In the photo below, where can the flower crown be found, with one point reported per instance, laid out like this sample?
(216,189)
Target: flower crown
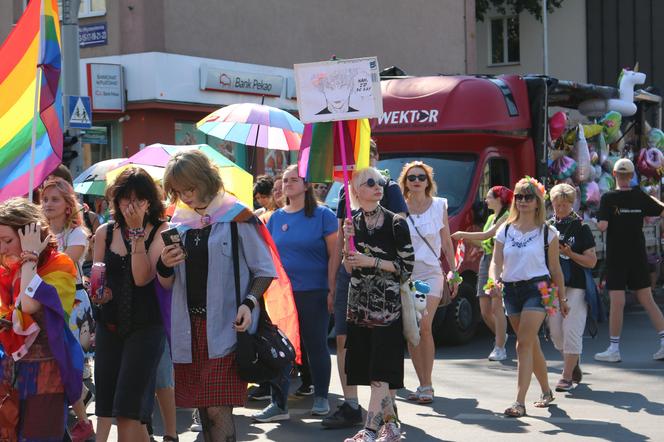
(532,182)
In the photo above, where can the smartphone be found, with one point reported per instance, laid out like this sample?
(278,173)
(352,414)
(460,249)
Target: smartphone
(171,236)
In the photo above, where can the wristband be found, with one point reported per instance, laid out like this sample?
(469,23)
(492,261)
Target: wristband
(29,256)
(163,270)
(250,301)
(138,232)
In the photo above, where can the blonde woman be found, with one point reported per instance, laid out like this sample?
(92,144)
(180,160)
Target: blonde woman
(430,235)
(374,342)
(59,205)
(577,258)
(525,261)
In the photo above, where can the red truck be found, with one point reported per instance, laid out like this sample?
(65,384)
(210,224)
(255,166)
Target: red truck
(476,132)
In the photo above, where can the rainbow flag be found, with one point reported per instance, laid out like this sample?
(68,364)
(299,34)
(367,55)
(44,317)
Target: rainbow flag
(319,159)
(34,42)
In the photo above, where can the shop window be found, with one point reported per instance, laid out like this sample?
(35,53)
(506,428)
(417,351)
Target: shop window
(96,144)
(504,47)
(187,134)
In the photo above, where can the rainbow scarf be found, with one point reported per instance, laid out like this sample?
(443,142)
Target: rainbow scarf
(279,302)
(56,295)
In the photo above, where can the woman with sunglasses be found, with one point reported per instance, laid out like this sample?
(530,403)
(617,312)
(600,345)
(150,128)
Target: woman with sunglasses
(430,234)
(525,261)
(305,233)
(382,258)
(498,200)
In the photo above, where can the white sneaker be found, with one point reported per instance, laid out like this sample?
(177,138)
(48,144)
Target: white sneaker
(608,356)
(498,354)
(659,356)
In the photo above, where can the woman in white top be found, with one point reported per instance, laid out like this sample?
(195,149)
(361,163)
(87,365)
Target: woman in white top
(429,234)
(60,208)
(525,260)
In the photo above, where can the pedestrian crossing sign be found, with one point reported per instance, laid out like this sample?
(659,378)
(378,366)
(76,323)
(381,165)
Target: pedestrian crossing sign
(80,115)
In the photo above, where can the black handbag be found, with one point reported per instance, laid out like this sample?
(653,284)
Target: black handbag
(262,356)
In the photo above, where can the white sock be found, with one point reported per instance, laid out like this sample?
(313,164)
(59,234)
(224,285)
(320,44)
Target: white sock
(661,338)
(614,344)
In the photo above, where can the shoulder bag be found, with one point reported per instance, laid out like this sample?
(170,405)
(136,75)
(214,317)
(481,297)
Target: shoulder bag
(446,296)
(264,355)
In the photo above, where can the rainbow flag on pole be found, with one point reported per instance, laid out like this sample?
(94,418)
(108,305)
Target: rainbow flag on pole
(30,83)
(319,159)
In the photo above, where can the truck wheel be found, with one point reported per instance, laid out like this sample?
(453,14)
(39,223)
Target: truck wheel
(457,323)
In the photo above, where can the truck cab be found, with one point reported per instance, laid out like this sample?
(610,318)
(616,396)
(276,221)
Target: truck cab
(476,132)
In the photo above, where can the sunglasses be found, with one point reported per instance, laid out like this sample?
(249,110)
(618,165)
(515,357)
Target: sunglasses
(528,198)
(421,177)
(371,182)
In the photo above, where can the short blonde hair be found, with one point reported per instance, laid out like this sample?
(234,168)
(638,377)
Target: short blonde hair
(359,177)
(563,190)
(529,186)
(192,169)
(431,189)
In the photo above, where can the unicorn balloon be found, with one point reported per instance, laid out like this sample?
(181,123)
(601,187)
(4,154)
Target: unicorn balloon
(627,80)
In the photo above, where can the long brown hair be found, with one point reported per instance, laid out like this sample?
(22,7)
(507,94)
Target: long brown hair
(20,212)
(310,201)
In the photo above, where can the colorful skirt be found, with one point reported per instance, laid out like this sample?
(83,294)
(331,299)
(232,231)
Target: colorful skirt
(207,382)
(43,406)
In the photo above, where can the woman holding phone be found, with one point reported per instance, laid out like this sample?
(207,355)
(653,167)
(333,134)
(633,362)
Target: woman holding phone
(130,335)
(199,268)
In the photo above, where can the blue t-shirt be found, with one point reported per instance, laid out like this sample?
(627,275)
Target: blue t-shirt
(301,244)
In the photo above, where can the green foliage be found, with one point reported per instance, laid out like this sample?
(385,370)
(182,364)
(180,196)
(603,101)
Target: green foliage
(514,7)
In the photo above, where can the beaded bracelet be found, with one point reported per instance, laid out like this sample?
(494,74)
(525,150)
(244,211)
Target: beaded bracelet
(138,232)
(29,256)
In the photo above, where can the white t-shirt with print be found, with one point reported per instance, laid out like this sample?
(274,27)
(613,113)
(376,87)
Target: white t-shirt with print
(74,237)
(523,252)
(429,224)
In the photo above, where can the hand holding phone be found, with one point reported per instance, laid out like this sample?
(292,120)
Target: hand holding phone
(169,256)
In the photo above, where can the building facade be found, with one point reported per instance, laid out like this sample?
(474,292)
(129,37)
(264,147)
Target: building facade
(153,68)
(513,44)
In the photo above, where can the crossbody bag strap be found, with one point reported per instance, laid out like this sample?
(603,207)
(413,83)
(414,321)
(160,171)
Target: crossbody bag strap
(546,244)
(236,262)
(421,236)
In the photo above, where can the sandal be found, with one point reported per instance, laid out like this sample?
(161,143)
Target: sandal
(545,400)
(415,395)
(564,385)
(516,410)
(426,395)
(168,438)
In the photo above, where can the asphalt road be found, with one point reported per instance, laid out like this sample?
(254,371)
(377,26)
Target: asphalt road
(615,402)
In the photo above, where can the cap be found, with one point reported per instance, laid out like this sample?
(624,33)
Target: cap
(623,165)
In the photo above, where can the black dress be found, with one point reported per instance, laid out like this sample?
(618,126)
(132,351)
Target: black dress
(130,340)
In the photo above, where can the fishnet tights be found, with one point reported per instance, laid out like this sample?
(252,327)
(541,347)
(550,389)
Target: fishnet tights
(218,425)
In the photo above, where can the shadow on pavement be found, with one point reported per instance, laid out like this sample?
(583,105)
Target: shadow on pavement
(623,400)
(609,430)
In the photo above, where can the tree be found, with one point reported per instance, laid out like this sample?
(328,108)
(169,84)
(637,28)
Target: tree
(514,7)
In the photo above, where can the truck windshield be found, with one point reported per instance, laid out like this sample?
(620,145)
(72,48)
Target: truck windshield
(453,174)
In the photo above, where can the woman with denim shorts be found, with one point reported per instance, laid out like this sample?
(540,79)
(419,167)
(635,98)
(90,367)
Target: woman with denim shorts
(522,270)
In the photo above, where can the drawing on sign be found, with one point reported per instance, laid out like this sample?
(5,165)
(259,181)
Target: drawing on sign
(338,90)
(80,114)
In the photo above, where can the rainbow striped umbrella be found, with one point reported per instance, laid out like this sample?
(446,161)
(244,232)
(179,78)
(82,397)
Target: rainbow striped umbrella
(254,125)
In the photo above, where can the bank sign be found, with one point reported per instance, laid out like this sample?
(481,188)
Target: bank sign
(217,79)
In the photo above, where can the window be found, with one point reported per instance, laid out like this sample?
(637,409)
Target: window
(453,173)
(504,40)
(87,8)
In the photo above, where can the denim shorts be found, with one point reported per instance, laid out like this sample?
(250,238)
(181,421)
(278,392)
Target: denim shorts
(522,296)
(165,369)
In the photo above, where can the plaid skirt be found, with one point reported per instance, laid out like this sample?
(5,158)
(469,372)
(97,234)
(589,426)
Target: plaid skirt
(207,382)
